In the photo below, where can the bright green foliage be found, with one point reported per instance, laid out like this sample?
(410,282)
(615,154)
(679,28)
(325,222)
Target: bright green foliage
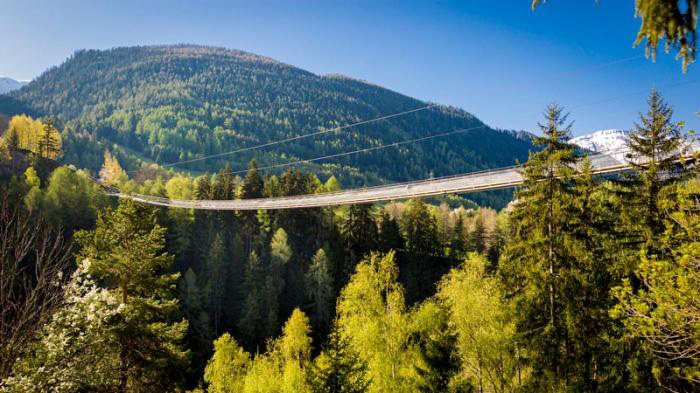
(179,187)
(372,315)
(319,288)
(338,368)
(38,136)
(283,367)
(280,251)
(33,200)
(125,250)
(226,370)
(265,374)
(32,178)
(435,342)
(70,198)
(295,348)
(536,259)
(49,143)
(111,172)
(665,312)
(485,333)
(332,185)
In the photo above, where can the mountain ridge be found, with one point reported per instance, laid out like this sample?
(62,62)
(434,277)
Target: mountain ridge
(8,84)
(173,103)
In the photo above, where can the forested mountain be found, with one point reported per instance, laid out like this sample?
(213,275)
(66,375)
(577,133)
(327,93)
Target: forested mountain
(173,103)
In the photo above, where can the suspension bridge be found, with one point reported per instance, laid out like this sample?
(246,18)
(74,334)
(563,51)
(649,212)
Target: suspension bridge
(601,163)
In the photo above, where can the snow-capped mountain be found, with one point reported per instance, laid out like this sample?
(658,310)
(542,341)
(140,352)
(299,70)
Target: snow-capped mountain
(9,84)
(602,141)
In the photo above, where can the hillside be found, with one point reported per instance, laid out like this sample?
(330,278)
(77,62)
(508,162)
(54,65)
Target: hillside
(172,103)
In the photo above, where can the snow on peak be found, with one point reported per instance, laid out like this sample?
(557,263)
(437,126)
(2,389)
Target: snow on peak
(8,84)
(602,141)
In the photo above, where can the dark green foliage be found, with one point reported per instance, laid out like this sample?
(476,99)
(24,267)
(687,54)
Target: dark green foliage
(126,251)
(477,238)
(253,312)
(536,261)
(389,234)
(419,229)
(359,233)
(339,369)
(172,103)
(655,151)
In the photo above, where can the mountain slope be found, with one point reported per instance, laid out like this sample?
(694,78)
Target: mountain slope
(173,103)
(8,84)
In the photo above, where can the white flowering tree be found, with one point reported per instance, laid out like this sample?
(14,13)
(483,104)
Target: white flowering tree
(75,351)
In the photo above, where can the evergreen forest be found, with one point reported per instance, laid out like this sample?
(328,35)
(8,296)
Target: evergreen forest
(581,284)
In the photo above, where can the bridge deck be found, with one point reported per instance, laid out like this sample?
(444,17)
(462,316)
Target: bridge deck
(467,183)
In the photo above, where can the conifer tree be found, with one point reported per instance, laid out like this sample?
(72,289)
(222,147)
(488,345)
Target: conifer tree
(478,234)
(359,232)
(251,188)
(656,150)
(419,229)
(458,243)
(338,368)
(217,275)
(662,310)
(389,234)
(199,334)
(253,304)
(125,250)
(49,143)
(535,259)
(319,288)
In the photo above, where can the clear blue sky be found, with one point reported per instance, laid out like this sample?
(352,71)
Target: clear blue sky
(496,59)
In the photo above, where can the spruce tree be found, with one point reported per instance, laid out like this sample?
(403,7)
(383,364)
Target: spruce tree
(419,228)
(535,259)
(319,289)
(253,304)
(251,188)
(458,243)
(656,152)
(359,232)
(389,234)
(217,276)
(478,234)
(126,251)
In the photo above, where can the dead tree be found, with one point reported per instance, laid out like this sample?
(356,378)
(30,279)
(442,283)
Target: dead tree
(33,263)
